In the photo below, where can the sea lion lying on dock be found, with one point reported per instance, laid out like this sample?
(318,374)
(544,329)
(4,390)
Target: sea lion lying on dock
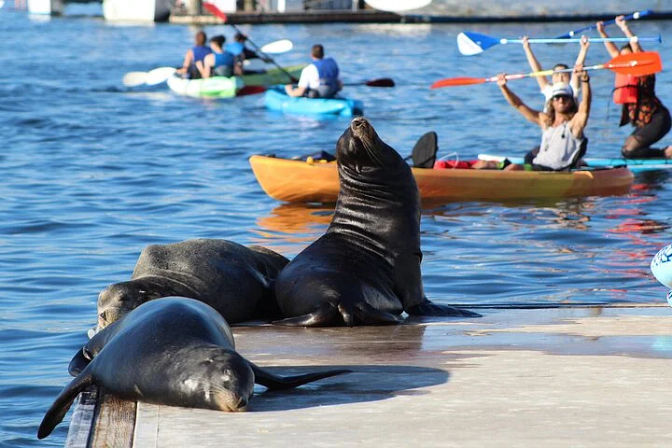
(234,279)
(366,268)
(172,351)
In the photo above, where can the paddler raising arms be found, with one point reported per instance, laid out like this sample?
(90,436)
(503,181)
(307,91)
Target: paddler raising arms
(545,86)
(563,143)
(641,106)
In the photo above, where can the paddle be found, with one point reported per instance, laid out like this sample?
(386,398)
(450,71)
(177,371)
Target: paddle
(221,15)
(469,43)
(278,47)
(634,16)
(636,64)
(380,82)
(152,77)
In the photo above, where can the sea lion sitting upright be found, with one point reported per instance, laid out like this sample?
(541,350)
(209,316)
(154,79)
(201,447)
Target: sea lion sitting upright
(366,268)
(235,280)
(173,351)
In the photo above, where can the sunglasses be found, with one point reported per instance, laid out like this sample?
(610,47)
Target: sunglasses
(561,97)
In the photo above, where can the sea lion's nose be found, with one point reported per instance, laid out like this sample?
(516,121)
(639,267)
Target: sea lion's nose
(242,402)
(358,123)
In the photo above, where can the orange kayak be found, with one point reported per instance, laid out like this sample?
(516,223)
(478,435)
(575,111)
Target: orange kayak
(299,181)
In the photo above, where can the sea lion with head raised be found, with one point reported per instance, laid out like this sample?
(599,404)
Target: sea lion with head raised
(173,351)
(235,280)
(366,268)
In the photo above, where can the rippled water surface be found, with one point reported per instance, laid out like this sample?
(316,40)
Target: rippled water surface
(92,172)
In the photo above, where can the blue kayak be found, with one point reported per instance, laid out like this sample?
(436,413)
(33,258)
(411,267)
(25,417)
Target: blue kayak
(632,164)
(276,99)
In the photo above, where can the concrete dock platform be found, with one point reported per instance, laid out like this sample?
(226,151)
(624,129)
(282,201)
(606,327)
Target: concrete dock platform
(556,377)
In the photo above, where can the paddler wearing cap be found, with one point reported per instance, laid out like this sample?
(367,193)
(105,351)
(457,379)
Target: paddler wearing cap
(563,143)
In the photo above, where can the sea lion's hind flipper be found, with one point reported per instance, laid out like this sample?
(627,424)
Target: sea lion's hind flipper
(275,382)
(324,316)
(62,403)
(428,308)
(368,315)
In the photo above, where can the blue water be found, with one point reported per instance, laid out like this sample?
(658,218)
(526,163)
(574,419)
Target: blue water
(91,172)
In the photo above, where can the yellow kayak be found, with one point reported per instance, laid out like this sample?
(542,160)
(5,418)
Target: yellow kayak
(299,181)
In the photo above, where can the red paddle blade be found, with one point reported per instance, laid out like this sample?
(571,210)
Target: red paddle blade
(463,81)
(380,82)
(215,10)
(636,64)
(250,90)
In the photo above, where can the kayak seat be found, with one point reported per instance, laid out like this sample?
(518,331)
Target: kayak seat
(424,151)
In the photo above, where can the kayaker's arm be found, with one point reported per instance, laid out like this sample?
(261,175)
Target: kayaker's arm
(294,91)
(527,112)
(611,47)
(580,119)
(188,58)
(580,60)
(634,44)
(204,66)
(534,63)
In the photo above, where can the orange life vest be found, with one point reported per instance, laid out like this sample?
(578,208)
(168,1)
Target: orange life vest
(625,89)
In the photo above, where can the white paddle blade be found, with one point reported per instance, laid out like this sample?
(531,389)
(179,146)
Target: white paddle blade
(277,47)
(132,79)
(467,46)
(159,75)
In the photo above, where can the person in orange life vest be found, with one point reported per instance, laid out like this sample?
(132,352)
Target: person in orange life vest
(641,106)
(545,86)
(195,54)
(319,79)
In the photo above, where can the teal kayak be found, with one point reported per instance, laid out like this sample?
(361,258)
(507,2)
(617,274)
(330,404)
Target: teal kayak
(632,164)
(276,99)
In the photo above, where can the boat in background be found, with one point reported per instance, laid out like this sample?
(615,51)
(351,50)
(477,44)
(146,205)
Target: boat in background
(277,99)
(300,181)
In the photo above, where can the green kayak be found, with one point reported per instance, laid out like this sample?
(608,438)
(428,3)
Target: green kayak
(228,87)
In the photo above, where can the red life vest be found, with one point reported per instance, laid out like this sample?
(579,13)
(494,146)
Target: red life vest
(625,89)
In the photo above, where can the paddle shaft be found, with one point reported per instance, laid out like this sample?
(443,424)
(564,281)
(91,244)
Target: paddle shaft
(634,16)
(552,40)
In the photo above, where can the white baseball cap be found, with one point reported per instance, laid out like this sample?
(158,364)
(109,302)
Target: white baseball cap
(561,88)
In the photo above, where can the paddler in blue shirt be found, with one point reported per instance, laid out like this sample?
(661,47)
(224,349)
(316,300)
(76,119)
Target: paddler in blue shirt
(219,62)
(238,49)
(563,143)
(195,54)
(319,79)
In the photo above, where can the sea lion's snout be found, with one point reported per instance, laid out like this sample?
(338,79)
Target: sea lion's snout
(360,126)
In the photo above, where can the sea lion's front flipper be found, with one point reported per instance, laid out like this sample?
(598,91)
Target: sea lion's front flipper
(78,363)
(428,308)
(324,316)
(275,382)
(62,403)
(84,356)
(368,315)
